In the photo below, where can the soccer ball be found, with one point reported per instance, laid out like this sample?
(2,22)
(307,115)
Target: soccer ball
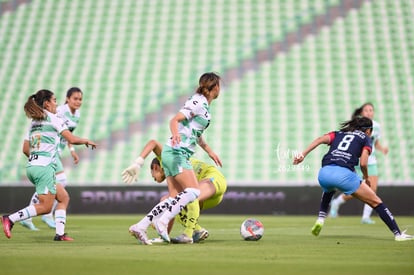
(251,230)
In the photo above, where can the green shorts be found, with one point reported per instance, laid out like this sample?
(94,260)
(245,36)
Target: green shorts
(220,184)
(43,178)
(175,160)
(372,170)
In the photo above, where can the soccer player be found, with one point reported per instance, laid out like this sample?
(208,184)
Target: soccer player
(212,185)
(187,127)
(366,110)
(70,113)
(352,143)
(41,148)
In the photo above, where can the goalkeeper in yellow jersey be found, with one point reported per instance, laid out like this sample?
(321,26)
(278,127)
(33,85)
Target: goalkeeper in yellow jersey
(212,185)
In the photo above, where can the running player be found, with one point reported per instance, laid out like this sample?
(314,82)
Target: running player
(187,127)
(41,148)
(212,185)
(366,110)
(70,113)
(347,146)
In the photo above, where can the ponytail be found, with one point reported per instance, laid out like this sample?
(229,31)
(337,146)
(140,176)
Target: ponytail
(207,82)
(357,123)
(34,105)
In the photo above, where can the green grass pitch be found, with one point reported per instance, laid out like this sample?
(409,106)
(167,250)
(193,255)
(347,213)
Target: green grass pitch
(103,246)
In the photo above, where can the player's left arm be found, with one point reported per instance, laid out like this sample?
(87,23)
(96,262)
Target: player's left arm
(203,144)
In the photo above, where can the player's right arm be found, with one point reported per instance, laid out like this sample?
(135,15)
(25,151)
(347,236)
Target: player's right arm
(26,148)
(325,139)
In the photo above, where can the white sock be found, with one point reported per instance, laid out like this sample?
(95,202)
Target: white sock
(33,200)
(367,212)
(154,214)
(179,202)
(60,220)
(339,200)
(23,214)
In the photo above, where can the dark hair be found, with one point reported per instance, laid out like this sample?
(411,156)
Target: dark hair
(357,123)
(207,82)
(34,108)
(155,161)
(358,111)
(70,92)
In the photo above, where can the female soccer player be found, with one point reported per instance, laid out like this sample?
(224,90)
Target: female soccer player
(186,127)
(212,185)
(366,110)
(349,145)
(69,112)
(41,148)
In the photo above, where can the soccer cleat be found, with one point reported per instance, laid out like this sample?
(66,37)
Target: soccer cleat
(316,229)
(29,225)
(157,240)
(49,221)
(333,212)
(200,235)
(182,239)
(403,237)
(7,225)
(139,234)
(367,221)
(162,230)
(63,237)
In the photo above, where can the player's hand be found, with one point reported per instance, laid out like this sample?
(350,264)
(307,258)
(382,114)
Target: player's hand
(298,158)
(91,143)
(130,174)
(75,157)
(216,159)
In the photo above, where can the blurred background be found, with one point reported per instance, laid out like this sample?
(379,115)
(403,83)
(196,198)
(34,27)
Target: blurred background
(292,70)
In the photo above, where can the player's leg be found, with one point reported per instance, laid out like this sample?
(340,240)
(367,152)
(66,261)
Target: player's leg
(337,203)
(139,230)
(28,223)
(187,180)
(207,191)
(323,212)
(365,194)
(43,177)
(63,199)
(373,179)
(217,186)
(331,178)
(190,216)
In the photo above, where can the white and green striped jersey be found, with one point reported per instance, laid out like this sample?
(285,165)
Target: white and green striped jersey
(71,121)
(376,135)
(43,137)
(197,113)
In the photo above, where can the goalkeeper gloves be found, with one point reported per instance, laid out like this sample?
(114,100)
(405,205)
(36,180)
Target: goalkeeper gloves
(130,174)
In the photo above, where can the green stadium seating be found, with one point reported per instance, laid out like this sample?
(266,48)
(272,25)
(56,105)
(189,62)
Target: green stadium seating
(135,58)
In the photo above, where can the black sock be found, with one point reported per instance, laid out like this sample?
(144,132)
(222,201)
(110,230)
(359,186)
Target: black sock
(325,202)
(387,218)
